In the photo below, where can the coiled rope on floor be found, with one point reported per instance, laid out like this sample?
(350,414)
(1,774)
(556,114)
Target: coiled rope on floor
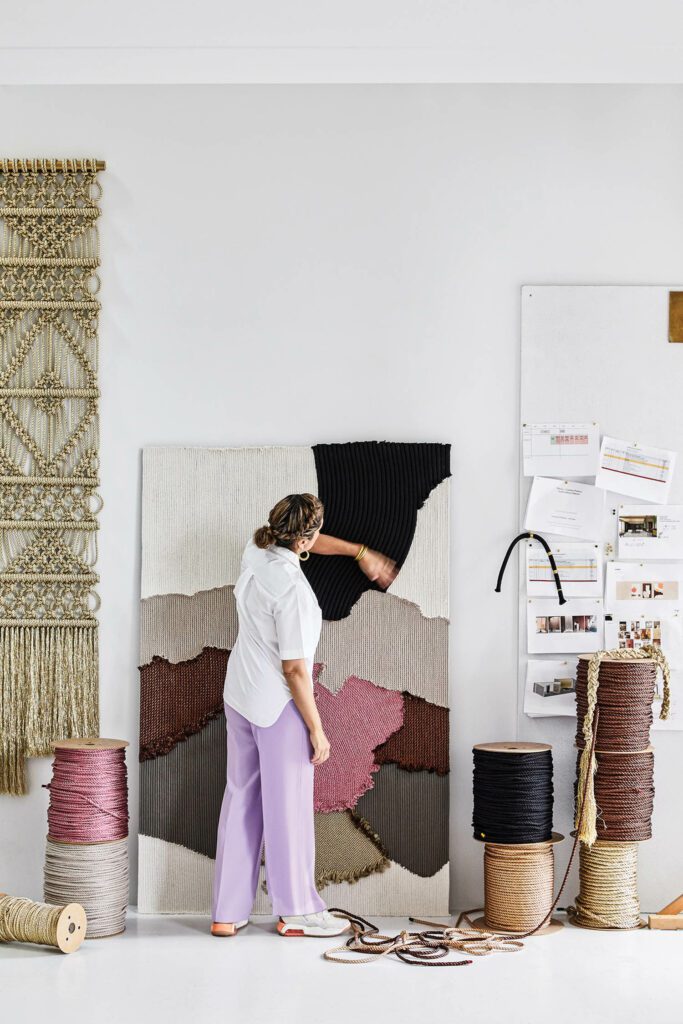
(624,794)
(512,796)
(628,721)
(429,948)
(608,887)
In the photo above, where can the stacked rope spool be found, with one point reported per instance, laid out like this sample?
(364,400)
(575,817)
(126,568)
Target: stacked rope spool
(614,696)
(512,816)
(86,858)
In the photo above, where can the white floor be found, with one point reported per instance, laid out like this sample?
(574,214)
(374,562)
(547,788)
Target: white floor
(169,969)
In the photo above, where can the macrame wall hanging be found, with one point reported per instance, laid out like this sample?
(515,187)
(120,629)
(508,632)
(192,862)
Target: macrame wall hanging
(381,677)
(49,437)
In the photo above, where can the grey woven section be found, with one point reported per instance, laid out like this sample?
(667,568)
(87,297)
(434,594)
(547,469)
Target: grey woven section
(181,793)
(178,628)
(409,813)
(388,641)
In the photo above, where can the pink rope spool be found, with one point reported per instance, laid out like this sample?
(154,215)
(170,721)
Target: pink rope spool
(88,792)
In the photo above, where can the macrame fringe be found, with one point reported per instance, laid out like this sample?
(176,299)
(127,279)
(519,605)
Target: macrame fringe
(49,691)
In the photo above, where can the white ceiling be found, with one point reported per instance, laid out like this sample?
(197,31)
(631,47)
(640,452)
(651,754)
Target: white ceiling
(213,41)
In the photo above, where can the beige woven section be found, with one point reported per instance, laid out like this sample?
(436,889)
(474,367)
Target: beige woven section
(388,641)
(345,851)
(174,880)
(178,628)
(424,576)
(201,505)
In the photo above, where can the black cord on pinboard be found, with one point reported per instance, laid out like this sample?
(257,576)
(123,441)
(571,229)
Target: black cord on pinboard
(553,565)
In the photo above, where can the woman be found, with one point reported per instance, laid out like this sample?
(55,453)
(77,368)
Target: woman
(275,736)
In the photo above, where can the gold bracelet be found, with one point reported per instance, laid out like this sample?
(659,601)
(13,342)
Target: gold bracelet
(362,553)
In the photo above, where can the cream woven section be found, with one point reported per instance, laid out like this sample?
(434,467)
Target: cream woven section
(424,576)
(201,506)
(175,880)
(49,439)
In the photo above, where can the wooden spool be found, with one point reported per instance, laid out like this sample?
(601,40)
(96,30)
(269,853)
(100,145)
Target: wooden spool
(90,743)
(553,925)
(71,927)
(519,747)
(513,747)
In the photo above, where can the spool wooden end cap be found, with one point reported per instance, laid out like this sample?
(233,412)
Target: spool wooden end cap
(90,743)
(513,747)
(71,927)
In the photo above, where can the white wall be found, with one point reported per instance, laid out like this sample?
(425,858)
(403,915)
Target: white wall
(301,264)
(223,41)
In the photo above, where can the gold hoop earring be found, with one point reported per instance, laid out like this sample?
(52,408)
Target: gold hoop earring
(304,556)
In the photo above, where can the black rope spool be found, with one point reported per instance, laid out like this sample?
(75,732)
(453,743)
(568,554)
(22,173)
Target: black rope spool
(513,793)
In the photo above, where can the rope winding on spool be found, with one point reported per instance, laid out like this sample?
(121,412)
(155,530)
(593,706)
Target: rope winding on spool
(621,718)
(86,856)
(22,920)
(608,887)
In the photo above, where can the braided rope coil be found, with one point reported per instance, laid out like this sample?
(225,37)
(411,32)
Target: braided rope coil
(587,828)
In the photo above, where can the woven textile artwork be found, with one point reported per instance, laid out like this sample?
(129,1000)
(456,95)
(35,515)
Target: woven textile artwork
(49,440)
(381,667)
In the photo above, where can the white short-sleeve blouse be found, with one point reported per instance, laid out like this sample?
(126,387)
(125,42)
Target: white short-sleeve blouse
(279,619)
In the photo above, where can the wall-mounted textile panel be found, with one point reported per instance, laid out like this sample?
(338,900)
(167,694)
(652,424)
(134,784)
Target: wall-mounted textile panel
(49,457)
(381,674)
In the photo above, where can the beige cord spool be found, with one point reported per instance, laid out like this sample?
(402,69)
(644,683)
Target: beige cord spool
(519,881)
(608,888)
(22,920)
(96,872)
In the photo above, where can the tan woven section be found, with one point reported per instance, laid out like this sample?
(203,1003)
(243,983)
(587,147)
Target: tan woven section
(345,850)
(177,701)
(178,628)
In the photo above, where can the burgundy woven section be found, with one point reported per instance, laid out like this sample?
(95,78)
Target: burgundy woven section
(356,719)
(422,741)
(177,700)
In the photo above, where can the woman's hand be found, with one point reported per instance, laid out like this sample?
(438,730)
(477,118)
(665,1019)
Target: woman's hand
(321,746)
(378,568)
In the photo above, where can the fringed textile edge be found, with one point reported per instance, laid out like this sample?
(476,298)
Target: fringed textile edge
(49,690)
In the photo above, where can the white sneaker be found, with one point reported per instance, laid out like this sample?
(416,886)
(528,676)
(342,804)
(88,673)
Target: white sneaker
(321,924)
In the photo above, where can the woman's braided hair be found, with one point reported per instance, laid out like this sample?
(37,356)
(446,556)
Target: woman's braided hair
(295,517)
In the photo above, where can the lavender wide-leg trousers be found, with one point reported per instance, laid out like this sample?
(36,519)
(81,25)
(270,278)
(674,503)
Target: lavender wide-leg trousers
(268,797)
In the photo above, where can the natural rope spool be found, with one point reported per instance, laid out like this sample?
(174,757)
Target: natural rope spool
(624,794)
(627,709)
(513,792)
(22,920)
(518,885)
(608,887)
(95,873)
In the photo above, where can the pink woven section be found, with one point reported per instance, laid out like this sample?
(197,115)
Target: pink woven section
(356,719)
